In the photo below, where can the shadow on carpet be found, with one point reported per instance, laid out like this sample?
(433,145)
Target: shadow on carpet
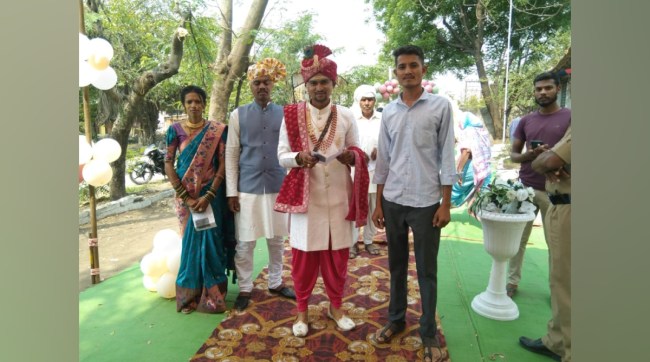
(263,330)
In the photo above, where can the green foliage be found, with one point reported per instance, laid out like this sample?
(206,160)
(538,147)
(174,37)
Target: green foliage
(362,74)
(472,104)
(447,29)
(458,36)
(520,97)
(141,35)
(101,193)
(286,44)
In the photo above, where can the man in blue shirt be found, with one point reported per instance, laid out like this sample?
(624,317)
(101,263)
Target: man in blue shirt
(414,176)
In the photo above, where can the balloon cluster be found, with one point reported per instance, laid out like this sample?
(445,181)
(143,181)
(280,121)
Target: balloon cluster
(391,87)
(94,161)
(160,267)
(94,57)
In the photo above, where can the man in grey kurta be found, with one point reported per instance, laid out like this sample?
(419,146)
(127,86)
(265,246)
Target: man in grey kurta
(253,179)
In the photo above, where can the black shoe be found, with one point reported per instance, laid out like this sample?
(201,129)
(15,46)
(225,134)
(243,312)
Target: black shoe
(536,345)
(284,292)
(242,302)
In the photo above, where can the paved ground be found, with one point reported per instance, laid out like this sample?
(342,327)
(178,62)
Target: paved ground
(125,238)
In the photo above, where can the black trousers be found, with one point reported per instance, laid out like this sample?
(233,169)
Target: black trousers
(426,242)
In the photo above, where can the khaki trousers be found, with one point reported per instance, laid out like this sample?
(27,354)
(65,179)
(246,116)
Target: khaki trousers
(558,226)
(514,265)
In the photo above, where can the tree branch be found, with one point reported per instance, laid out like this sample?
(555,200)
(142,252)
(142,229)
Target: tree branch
(166,70)
(460,44)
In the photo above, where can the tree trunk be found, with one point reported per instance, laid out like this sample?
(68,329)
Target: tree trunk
(489,96)
(232,63)
(492,104)
(149,123)
(135,105)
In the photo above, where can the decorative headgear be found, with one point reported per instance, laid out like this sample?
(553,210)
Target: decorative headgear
(267,67)
(362,91)
(315,62)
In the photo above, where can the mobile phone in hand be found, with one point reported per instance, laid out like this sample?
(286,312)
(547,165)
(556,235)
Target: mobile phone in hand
(536,143)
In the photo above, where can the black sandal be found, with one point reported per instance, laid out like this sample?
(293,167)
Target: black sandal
(382,336)
(428,352)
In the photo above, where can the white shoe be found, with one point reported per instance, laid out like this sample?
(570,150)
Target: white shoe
(344,323)
(300,329)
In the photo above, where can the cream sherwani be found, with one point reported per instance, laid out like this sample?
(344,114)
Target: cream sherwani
(330,186)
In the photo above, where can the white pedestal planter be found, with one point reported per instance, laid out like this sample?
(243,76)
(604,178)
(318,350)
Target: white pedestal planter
(501,237)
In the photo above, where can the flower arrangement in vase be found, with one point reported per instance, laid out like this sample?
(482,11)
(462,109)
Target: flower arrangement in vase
(506,197)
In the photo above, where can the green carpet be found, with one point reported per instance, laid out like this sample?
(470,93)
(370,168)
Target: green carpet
(120,321)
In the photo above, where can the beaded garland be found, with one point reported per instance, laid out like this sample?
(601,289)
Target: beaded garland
(331,132)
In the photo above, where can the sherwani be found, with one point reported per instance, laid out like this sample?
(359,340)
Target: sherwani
(330,186)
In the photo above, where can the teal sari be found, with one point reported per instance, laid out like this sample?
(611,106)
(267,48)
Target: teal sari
(207,256)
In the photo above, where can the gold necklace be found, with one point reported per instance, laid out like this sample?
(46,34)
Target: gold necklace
(324,144)
(194,126)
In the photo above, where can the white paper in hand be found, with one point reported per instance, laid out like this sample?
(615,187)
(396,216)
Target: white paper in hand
(204,220)
(326,159)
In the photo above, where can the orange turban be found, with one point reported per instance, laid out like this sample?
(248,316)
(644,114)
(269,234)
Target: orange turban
(267,67)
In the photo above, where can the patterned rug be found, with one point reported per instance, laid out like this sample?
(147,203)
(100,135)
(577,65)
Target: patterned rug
(263,331)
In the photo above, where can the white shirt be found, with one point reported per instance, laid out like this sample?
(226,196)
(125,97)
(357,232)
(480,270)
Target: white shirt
(368,139)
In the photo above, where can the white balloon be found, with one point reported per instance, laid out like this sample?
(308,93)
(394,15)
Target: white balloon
(84,47)
(85,150)
(101,48)
(153,265)
(165,241)
(106,79)
(97,172)
(107,149)
(86,73)
(166,285)
(145,263)
(174,261)
(149,283)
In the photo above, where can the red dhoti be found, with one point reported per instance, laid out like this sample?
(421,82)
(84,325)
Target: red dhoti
(305,267)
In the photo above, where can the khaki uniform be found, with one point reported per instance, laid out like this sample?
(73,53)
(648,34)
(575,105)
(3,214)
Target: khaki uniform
(558,236)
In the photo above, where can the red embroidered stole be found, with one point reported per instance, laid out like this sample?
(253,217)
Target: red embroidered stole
(294,192)
(358,203)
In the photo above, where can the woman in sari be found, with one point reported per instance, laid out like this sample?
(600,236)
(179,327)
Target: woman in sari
(473,164)
(198,179)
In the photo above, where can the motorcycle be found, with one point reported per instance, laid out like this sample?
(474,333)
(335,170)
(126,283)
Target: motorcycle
(143,170)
